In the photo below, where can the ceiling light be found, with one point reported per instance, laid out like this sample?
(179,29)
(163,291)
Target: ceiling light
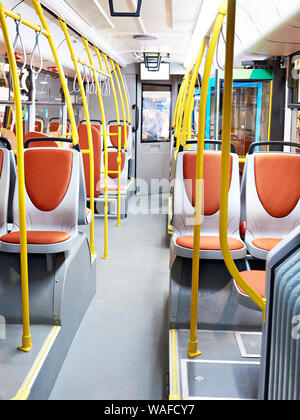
(145,37)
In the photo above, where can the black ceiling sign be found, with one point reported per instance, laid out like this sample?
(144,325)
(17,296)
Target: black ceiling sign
(125,14)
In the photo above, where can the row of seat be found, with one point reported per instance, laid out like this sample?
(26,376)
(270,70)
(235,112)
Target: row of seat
(55,199)
(98,156)
(267,208)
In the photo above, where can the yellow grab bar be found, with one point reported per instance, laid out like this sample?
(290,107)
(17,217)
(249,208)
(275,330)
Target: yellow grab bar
(200,55)
(227,118)
(103,117)
(114,68)
(26,339)
(119,135)
(46,31)
(120,139)
(193,342)
(125,93)
(181,108)
(89,133)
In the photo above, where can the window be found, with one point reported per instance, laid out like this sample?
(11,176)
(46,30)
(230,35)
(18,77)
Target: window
(49,104)
(250,114)
(298,128)
(294,80)
(156,112)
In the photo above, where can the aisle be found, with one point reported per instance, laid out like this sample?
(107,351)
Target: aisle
(121,349)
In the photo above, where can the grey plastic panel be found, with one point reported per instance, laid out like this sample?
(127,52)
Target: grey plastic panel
(218,307)
(280,376)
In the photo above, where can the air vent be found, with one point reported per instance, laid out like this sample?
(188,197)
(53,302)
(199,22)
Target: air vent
(145,37)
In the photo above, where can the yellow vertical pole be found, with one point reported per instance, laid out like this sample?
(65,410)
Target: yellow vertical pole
(225,175)
(103,118)
(40,13)
(115,67)
(189,131)
(26,339)
(181,109)
(9,117)
(191,91)
(113,90)
(193,342)
(270,112)
(178,101)
(89,133)
(119,142)
(126,101)
(115,102)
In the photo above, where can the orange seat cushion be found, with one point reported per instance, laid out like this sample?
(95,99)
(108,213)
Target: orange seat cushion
(37,237)
(255,279)
(267,244)
(209,243)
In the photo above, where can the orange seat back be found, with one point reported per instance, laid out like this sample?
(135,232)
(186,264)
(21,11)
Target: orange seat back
(278,183)
(113,163)
(36,134)
(211,178)
(113,129)
(38,126)
(84,145)
(47,176)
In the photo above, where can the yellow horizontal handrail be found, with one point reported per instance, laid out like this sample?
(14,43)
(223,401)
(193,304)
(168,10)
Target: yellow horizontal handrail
(92,67)
(25,22)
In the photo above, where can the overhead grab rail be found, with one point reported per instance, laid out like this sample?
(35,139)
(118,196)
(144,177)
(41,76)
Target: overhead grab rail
(116,103)
(187,121)
(43,30)
(114,70)
(104,128)
(181,106)
(125,94)
(90,151)
(193,342)
(19,37)
(225,177)
(36,47)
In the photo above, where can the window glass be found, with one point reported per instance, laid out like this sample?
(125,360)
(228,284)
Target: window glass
(298,130)
(156,112)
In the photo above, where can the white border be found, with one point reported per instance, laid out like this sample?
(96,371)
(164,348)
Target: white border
(184,376)
(244,354)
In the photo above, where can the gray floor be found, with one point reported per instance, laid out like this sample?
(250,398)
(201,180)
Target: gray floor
(14,364)
(121,349)
(220,372)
